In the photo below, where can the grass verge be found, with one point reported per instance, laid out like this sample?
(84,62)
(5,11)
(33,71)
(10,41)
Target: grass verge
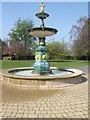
(29,63)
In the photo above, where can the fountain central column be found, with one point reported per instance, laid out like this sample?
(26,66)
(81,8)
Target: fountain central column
(41,64)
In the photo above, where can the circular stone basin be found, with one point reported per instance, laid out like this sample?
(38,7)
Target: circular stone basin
(23,77)
(42,32)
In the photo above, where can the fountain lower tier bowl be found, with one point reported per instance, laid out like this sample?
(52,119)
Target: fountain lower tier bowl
(42,32)
(23,77)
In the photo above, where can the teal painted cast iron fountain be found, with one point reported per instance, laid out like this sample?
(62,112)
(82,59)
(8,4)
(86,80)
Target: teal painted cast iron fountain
(41,64)
(41,76)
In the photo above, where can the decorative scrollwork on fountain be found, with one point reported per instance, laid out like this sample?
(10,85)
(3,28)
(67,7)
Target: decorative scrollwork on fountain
(37,57)
(44,56)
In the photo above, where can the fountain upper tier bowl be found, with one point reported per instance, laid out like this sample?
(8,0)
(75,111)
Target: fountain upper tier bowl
(42,31)
(42,15)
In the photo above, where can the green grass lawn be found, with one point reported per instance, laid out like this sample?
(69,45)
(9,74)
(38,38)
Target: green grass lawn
(29,63)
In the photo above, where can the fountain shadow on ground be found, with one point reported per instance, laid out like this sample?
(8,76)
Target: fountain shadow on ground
(84,78)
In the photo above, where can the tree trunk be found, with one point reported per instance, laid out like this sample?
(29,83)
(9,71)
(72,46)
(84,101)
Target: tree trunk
(86,57)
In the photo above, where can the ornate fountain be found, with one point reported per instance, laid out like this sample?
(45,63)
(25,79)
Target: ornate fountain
(41,64)
(41,75)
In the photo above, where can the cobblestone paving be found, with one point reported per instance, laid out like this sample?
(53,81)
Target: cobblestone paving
(68,102)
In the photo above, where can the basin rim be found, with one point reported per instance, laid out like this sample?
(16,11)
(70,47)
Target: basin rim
(74,73)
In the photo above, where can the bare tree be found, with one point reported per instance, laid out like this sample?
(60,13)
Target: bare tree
(79,37)
(19,49)
(5,48)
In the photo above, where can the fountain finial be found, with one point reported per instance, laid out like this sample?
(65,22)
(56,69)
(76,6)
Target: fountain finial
(42,7)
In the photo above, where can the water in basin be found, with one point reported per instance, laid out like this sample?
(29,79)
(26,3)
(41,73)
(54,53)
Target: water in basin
(29,73)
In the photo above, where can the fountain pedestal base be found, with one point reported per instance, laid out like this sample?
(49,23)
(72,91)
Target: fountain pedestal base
(42,73)
(41,64)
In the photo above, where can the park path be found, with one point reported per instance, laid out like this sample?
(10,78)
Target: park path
(68,102)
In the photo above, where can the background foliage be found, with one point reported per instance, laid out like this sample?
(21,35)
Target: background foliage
(23,45)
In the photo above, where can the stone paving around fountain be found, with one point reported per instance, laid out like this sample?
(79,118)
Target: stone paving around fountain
(68,102)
